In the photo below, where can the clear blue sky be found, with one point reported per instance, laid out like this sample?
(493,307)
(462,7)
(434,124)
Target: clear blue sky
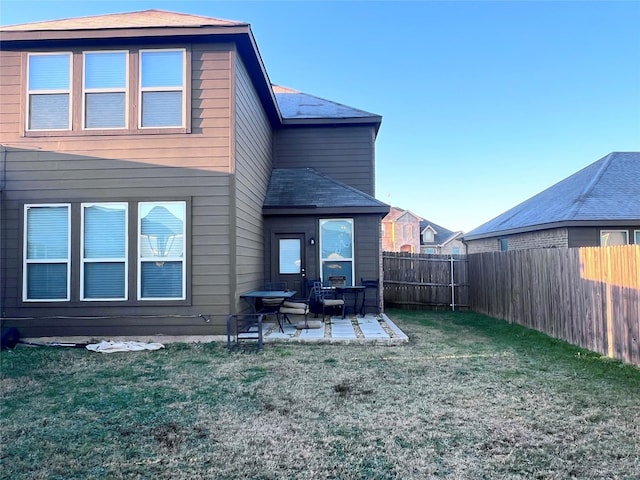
(484,104)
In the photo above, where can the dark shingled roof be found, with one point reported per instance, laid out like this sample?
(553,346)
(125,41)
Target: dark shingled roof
(606,190)
(441,235)
(300,190)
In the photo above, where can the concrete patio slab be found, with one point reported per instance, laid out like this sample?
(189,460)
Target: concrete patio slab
(370,329)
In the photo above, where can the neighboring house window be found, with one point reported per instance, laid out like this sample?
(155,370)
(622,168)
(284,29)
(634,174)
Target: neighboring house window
(49,91)
(336,249)
(609,238)
(430,250)
(162,88)
(428,236)
(503,244)
(161,250)
(637,235)
(455,251)
(105,89)
(47,252)
(104,251)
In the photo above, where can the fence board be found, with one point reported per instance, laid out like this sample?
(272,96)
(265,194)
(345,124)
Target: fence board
(416,281)
(587,296)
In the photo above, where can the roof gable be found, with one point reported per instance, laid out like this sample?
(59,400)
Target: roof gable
(441,234)
(608,189)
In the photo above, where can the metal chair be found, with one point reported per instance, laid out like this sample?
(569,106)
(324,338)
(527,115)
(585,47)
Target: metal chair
(329,298)
(297,306)
(271,306)
(372,287)
(244,330)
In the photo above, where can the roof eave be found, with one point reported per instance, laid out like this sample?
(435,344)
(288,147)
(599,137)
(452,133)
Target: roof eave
(552,225)
(127,33)
(315,210)
(374,121)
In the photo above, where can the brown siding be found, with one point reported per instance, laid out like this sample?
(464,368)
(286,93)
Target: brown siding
(193,167)
(344,153)
(10,95)
(253,142)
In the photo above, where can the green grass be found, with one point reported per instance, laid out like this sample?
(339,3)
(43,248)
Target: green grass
(469,397)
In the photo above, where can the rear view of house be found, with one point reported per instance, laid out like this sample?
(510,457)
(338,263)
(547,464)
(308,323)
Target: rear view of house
(151,173)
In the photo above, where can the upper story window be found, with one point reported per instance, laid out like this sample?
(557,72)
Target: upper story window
(49,91)
(108,92)
(162,81)
(105,89)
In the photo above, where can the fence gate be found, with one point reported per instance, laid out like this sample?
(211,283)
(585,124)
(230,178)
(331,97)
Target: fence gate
(418,281)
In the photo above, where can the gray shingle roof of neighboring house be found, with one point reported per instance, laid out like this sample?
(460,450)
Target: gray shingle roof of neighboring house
(305,191)
(607,190)
(441,236)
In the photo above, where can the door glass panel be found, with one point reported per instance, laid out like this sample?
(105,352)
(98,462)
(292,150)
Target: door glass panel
(290,261)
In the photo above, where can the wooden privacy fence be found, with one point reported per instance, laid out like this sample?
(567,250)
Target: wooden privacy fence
(415,281)
(588,296)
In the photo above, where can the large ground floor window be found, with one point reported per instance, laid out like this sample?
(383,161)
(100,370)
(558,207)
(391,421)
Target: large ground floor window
(102,244)
(336,249)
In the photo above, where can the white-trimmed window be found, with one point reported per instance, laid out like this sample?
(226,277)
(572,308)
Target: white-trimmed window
(49,91)
(104,251)
(47,252)
(105,79)
(609,238)
(636,234)
(162,88)
(161,250)
(336,248)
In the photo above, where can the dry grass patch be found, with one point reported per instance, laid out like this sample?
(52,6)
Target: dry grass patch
(468,397)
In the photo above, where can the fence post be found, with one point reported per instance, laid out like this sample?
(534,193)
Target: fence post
(453,288)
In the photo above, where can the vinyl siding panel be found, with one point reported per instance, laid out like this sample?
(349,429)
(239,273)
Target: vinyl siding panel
(10,94)
(253,154)
(345,153)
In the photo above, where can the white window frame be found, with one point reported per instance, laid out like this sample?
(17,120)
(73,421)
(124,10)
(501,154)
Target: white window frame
(124,90)
(124,259)
(636,237)
(68,91)
(181,259)
(345,259)
(182,89)
(26,261)
(602,232)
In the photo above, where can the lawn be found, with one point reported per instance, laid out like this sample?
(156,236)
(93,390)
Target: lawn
(468,397)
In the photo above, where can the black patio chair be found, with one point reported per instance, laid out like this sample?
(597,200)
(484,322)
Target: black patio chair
(371,296)
(329,298)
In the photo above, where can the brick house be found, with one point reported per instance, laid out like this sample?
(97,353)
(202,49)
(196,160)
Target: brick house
(596,206)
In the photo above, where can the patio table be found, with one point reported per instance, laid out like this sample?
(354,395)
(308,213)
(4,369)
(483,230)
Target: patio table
(253,296)
(354,290)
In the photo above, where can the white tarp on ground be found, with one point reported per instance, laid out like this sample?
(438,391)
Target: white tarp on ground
(112,347)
